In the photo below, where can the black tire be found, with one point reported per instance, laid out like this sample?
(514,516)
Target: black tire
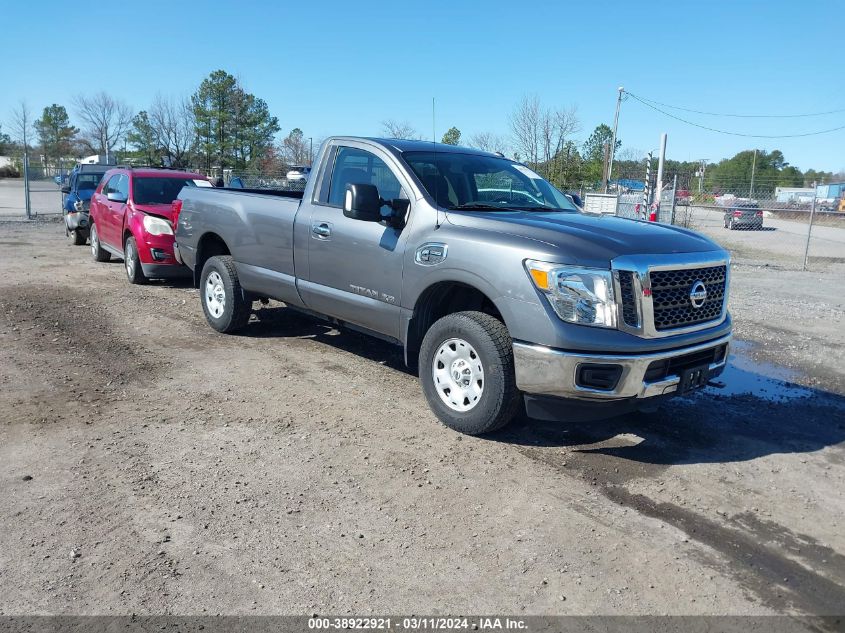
(488,337)
(132,262)
(76,238)
(236,306)
(99,253)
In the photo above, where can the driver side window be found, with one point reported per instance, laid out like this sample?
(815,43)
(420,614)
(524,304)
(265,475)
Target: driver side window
(358,166)
(111,185)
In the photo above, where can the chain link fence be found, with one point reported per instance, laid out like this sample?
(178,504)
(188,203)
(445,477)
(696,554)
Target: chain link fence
(761,223)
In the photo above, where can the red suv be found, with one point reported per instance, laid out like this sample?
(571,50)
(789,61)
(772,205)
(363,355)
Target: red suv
(131,218)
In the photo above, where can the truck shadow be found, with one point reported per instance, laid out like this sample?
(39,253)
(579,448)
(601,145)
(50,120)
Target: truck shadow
(709,427)
(280,322)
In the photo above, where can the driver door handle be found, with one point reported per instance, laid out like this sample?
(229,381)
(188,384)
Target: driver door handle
(321,230)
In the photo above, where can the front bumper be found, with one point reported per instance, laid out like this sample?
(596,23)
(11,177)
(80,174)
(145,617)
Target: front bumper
(165,271)
(545,371)
(77,220)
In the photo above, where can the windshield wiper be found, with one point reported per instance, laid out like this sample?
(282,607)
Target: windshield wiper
(538,208)
(478,205)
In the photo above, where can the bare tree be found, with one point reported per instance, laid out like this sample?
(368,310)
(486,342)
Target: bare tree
(557,127)
(105,121)
(398,129)
(630,154)
(489,142)
(21,121)
(543,136)
(526,128)
(21,124)
(172,121)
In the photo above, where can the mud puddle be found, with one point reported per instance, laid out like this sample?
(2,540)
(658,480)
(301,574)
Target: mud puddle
(746,376)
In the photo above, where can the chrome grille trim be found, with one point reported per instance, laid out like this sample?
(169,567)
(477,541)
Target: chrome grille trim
(640,267)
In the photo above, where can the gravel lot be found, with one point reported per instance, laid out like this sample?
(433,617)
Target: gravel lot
(150,465)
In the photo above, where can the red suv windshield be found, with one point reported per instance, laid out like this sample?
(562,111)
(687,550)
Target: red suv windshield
(158,190)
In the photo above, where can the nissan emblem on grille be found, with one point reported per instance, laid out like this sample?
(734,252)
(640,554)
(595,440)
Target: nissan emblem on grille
(698,294)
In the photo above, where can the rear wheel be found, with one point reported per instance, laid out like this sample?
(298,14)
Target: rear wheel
(99,253)
(467,372)
(227,308)
(132,261)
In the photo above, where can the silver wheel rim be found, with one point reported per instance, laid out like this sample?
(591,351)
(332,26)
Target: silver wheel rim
(94,244)
(130,260)
(458,375)
(215,294)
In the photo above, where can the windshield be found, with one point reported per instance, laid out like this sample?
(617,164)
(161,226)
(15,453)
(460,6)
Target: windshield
(88,181)
(158,190)
(473,181)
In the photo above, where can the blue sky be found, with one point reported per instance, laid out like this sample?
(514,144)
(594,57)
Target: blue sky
(342,67)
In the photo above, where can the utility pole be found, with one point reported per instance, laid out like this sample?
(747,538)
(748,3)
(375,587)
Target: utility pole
(809,229)
(701,169)
(753,167)
(613,138)
(658,187)
(311,151)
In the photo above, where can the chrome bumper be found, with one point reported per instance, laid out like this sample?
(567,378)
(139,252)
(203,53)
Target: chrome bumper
(547,371)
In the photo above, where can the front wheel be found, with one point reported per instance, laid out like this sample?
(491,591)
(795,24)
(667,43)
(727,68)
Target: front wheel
(467,372)
(226,306)
(99,253)
(132,261)
(77,238)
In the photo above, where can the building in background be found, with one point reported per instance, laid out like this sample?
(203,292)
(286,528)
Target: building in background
(799,195)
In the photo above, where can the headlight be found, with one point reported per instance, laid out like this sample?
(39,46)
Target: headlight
(577,295)
(79,206)
(157,226)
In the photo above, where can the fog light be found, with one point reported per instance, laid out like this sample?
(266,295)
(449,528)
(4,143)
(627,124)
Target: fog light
(159,255)
(601,377)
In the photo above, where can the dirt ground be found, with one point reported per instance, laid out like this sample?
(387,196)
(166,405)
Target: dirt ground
(151,465)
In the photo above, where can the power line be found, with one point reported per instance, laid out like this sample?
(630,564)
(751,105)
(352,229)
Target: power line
(712,129)
(738,116)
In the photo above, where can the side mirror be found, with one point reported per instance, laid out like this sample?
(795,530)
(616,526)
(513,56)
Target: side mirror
(399,211)
(362,202)
(115,196)
(65,188)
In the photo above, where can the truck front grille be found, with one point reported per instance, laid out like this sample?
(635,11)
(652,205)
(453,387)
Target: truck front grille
(670,292)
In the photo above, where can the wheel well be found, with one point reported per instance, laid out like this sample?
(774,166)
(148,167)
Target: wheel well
(436,302)
(209,245)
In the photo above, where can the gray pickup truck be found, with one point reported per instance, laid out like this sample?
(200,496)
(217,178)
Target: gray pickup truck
(499,290)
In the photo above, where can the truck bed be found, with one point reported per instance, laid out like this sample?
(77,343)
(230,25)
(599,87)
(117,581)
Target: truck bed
(282,193)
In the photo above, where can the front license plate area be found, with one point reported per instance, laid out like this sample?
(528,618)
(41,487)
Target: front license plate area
(694,378)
